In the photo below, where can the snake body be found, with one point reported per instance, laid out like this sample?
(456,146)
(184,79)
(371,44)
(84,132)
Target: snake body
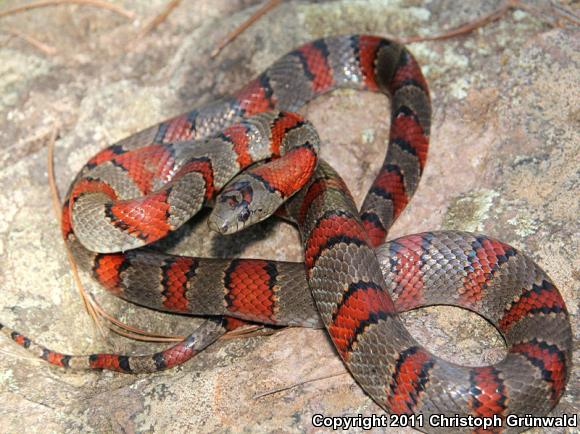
(143,187)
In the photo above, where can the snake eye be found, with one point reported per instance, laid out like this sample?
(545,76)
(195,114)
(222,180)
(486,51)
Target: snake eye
(233,198)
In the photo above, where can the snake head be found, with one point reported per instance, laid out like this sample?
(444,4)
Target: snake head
(237,206)
(242,203)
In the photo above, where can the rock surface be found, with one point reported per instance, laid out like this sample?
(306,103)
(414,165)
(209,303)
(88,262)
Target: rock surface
(504,161)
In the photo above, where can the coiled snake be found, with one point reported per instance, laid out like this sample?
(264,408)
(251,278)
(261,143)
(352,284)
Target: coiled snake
(147,185)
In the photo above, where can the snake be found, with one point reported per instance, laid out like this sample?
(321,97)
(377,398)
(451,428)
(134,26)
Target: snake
(250,155)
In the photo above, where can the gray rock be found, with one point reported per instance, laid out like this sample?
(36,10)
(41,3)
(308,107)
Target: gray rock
(504,161)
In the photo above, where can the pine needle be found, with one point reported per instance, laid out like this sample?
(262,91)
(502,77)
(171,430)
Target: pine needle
(557,12)
(301,383)
(158,19)
(41,46)
(43,4)
(57,210)
(269,5)
(467,27)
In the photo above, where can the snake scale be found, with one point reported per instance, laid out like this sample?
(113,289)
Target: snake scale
(249,156)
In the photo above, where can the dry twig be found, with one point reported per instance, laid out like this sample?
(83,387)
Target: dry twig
(292,386)
(42,4)
(57,210)
(269,5)
(494,16)
(158,19)
(566,13)
(131,332)
(468,27)
(558,14)
(41,46)
(249,331)
(22,354)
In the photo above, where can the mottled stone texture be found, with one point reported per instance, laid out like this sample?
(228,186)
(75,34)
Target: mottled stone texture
(504,161)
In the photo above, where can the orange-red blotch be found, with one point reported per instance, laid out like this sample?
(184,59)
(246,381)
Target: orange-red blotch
(279,128)
(202,166)
(319,68)
(105,361)
(177,355)
(545,299)
(254,98)
(375,231)
(409,380)
(391,181)
(105,155)
(179,128)
(489,398)
(55,358)
(238,135)
(410,70)
(66,220)
(147,165)
(362,306)
(341,228)
(289,173)
(232,323)
(485,263)
(550,360)
(20,339)
(107,271)
(145,217)
(316,189)
(175,278)
(408,129)
(249,285)
(368,46)
(409,274)
(91,186)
